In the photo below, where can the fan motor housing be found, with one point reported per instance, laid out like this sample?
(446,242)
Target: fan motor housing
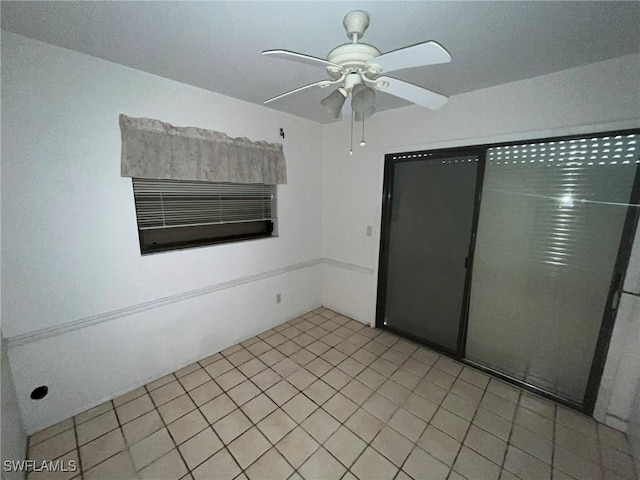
(351,56)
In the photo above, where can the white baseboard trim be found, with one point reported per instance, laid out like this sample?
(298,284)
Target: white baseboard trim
(346,314)
(42,334)
(616,422)
(154,377)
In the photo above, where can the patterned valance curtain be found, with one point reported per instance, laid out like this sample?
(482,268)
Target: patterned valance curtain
(154,149)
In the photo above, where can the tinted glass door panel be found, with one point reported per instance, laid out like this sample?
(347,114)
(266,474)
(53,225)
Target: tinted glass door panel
(549,231)
(431,214)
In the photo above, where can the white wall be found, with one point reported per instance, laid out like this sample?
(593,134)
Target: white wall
(70,248)
(621,377)
(633,431)
(597,97)
(631,354)
(70,251)
(619,399)
(14,438)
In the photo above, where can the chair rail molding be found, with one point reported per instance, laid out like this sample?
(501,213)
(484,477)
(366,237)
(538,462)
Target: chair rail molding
(41,334)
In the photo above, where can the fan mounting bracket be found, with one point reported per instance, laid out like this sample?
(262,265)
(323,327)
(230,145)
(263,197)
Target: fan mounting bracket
(356,23)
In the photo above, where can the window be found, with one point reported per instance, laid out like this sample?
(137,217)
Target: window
(175,214)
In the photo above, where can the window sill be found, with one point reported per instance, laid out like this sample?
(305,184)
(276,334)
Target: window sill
(199,247)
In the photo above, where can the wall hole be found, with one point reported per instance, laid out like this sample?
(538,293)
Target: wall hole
(39,393)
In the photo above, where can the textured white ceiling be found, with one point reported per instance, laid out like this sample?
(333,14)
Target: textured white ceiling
(217,45)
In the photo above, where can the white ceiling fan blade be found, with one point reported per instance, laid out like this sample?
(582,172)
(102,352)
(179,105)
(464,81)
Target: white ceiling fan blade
(427,53)
(408,91)
(321,83)
(300,58)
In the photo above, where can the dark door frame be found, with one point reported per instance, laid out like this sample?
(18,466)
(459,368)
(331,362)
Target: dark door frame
(391,160)
(616,284)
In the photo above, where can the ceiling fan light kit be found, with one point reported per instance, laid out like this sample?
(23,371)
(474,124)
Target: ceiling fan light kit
(362,98)
(334,102)
(357,68)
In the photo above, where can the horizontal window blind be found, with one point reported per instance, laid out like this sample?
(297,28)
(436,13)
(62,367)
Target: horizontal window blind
(549,230)
(177,203)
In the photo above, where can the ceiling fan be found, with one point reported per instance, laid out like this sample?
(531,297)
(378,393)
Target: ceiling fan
(360,69)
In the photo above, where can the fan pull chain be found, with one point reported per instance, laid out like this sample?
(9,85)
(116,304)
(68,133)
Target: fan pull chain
(351,146)
(362,142)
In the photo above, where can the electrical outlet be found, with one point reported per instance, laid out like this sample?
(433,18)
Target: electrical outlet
(278,297)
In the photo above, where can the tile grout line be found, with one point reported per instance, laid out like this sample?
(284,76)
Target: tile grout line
(153,402)
(428,423)
(210,425)
(75,433)
(553,438)
(166,426)
(76,448)
(321,445)
(415,444)
(126,443)
(334,366)
(148,391)
(471,424)
(225,356)
(83,471)
(367,444)
(386,423)
(298,424)
(113,408)
(336,345)
(453,462)
(506,451)
(255,424)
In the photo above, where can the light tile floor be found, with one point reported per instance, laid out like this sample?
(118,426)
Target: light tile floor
(325,397)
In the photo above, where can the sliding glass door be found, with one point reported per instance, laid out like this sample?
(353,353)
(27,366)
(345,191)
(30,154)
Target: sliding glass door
(430,215)
(510,257)
(549,231)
